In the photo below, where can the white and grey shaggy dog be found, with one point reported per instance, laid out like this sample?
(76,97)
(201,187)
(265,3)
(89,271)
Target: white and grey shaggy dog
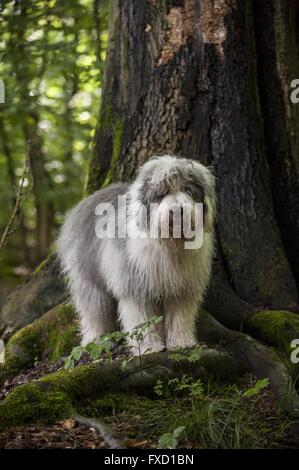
(134,278)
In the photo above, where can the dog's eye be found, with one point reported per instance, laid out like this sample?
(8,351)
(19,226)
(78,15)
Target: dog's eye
(196,192)
(160,199)
(188,191)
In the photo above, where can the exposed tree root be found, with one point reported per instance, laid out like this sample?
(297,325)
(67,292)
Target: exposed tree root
(275,328)
(261,360)
(237,353)
(57,396)
(49,338)
(29,301)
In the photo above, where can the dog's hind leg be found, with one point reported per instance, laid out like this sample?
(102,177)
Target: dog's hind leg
(96,308)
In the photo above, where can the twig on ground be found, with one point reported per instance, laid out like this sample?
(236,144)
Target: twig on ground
(106,433)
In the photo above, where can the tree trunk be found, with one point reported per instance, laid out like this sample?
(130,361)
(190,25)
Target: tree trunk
(41,189)
(209,80)
(13,183)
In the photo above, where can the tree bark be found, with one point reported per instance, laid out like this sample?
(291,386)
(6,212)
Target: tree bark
(41,188)
(191,78)
(277,32)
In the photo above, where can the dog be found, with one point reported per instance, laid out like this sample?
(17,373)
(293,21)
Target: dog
(134,276)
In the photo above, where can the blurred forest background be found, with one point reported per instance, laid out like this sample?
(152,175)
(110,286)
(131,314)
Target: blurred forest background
(51,62)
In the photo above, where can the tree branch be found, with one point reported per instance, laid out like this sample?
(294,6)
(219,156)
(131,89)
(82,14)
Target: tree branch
(8,231)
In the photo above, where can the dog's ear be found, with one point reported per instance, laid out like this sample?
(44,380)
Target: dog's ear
(204,173)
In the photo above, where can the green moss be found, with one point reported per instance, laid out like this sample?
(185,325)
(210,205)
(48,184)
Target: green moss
(52,336)
(123,402)
(30,403)
(44,264)
(117,143)
(62,332)
(74,383)
(276,328)
(114,127)
(53,397)
(92,387)
(23,349)
(48,399)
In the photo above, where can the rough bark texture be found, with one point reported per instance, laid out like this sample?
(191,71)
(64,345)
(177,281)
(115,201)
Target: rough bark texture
(192,78)
(277,29)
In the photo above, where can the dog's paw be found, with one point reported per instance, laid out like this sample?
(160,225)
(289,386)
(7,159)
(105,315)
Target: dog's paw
(177,344)
(148,349)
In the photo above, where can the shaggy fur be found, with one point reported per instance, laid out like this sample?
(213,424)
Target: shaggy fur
(141,277)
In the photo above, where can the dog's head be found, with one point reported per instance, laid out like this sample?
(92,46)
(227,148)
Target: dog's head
(172,193)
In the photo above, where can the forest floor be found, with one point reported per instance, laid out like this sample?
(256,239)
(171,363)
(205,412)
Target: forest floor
(61,435)
(207,415)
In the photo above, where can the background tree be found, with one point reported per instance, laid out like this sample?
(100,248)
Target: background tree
(211,80)
(51,59)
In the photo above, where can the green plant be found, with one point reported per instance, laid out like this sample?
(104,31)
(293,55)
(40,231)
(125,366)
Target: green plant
(95,349)
(229,419)
(256,389)
(159,388)
(170,440)
(184,386)
(103,346)
(140,332)
(217,417)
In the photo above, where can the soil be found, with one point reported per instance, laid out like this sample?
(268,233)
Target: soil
(62,435)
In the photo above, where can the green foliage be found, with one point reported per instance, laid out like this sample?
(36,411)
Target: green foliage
(51,61)
(255,390)
(46,339)
(139,333)
(170,440)
(185,385)
(103,345)
(217,418)
(159,388)
(220,417)
(95,349)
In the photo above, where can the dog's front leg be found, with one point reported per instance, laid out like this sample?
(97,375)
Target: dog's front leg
(131,314)
(180,324)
